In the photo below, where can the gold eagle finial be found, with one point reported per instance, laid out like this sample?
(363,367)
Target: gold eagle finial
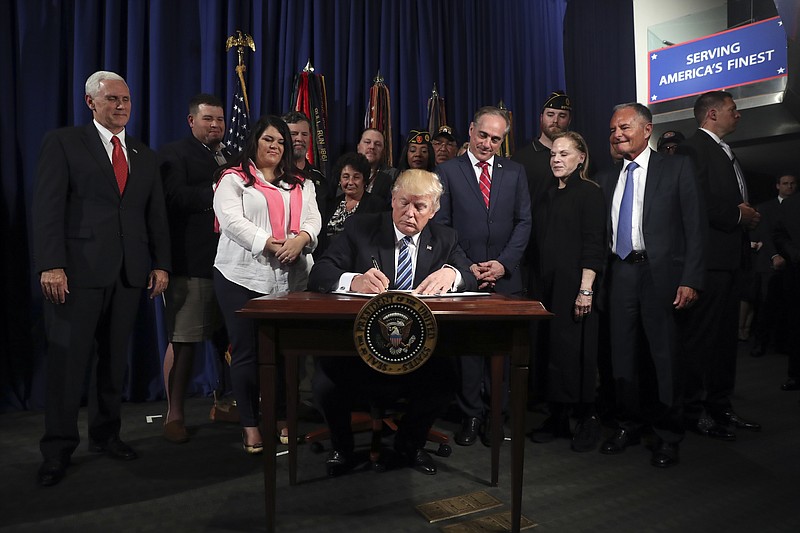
(240,41)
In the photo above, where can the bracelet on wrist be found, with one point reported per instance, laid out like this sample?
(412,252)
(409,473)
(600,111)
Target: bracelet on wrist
(586,292)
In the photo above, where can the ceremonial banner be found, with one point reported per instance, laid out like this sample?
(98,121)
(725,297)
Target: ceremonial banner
(741,56)
(379,114)
(507,148)
(310,98)
(437,114)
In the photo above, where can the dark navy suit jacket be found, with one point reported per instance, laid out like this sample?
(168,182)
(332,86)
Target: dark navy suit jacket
(500,232)
(82,224)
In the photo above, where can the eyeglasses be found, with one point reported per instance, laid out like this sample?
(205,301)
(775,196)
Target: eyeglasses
(437,144)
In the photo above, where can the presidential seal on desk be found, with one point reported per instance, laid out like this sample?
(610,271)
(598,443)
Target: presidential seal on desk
(395,333)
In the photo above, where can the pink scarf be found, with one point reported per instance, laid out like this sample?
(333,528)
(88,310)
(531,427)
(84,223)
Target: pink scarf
(277,216)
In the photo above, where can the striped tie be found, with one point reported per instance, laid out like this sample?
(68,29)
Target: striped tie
(485,181)
(404,279)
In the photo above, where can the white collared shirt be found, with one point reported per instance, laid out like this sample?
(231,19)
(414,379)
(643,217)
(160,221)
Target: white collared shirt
(105,136)
(639,183)
(477,170)
(413,247)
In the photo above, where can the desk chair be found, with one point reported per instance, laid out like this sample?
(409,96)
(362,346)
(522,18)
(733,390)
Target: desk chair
(376,421)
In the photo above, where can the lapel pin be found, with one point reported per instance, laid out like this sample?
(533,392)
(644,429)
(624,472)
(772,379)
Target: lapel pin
(428,247)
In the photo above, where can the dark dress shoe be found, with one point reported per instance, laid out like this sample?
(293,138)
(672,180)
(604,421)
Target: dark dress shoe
(51,472)
(486,433)
(732,419)
(338,463)
(619,441)
(114,448)
(665,455)
(423,462)
(587,433)
(709,428)
(468,433)
(791,384)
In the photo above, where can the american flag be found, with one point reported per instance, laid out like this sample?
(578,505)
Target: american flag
(240,122)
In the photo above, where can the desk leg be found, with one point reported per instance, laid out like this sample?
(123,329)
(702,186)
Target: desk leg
(496,361)
(292,400)
(267,374)
(519,400)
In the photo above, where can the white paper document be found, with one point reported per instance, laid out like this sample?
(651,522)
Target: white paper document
(443,295)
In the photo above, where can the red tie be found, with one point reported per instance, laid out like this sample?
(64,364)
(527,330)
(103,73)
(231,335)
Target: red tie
(485,181)
(119,163)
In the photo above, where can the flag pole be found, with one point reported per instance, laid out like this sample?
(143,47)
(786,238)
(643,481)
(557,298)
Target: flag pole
(240,41)
(240,105)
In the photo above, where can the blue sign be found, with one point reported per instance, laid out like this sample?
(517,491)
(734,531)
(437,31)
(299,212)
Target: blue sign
(752,53)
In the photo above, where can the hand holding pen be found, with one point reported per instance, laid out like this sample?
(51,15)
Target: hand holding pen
(373,281)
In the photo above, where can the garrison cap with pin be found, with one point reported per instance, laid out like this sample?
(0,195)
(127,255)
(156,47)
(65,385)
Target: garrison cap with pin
(558,100)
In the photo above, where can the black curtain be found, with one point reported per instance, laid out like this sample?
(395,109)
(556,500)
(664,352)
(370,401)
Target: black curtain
(476,52)
(600,68)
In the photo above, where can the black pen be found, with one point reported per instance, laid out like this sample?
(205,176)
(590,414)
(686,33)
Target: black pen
(375,263)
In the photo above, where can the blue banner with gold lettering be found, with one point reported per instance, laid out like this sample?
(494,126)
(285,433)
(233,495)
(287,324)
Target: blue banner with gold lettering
(752,53)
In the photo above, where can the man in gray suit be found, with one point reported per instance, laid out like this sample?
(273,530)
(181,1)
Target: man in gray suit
(100,236)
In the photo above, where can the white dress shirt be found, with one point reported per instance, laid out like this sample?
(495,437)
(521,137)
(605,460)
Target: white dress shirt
(639,183)
(105,136)
(477,170)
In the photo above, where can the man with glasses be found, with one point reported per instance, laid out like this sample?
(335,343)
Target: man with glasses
(669,141)
(445,145)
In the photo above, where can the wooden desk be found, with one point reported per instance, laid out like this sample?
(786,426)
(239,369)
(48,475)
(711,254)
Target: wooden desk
(306,323)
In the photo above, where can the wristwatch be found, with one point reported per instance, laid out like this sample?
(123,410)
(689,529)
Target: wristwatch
(586,292)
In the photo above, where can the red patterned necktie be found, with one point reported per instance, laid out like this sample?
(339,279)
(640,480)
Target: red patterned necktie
(119,163)
(485,181)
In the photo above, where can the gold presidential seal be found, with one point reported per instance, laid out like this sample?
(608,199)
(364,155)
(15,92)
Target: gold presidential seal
(395,333)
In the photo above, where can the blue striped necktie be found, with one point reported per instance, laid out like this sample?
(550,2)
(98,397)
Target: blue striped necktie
(403,279)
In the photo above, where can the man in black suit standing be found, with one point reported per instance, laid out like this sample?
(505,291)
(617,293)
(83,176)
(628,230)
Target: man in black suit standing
(100,236)
(656,270)
(486,200)
(787,243)
(710,335)
(770,269)
(193,315)
(437,265)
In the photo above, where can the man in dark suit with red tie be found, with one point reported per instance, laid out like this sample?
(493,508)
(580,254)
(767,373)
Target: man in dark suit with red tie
(369,258)
(710,336)
(655,272)
(486,200)
(100,236)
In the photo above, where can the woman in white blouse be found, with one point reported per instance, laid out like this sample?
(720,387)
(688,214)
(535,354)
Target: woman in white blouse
(268,223)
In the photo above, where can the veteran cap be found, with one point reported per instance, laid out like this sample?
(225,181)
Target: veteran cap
(447,132)
(558,100)
(670,137)
(418,137)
